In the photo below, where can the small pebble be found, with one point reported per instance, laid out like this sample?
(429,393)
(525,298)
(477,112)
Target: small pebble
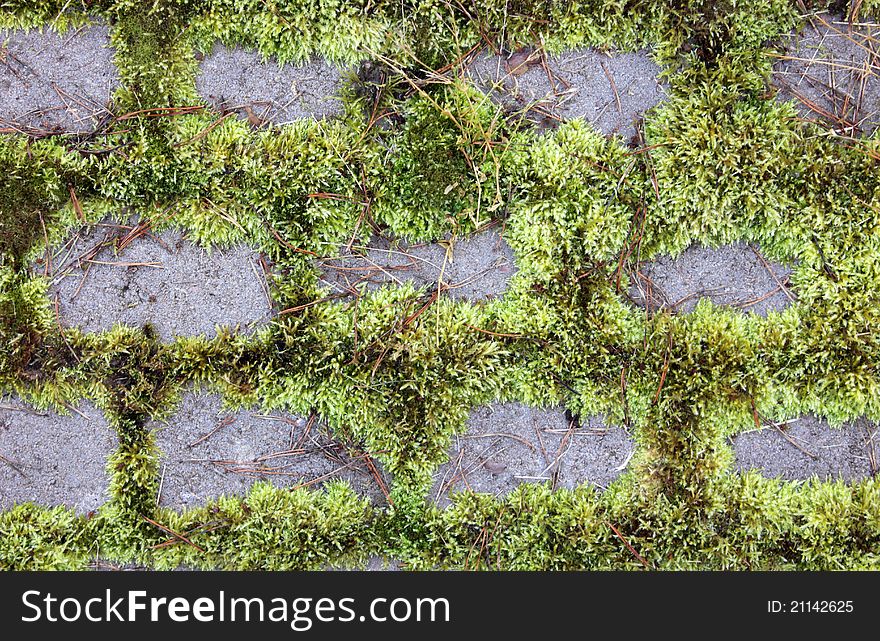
(494,468)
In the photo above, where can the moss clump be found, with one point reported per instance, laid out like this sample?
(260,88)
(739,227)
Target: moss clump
(22,219)
(131,366)
(724,164)
(575,195)
(24,321)
(36,538)
(35,179)
(153,54)
(272,529)
(303,183)
(396,371)
(479,532)
(26,14)
(707,29)
(428,370)
(442,171)
(291,32)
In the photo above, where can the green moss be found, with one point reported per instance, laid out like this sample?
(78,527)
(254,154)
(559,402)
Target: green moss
(725,163)
(155,60)
(273,529)
(576,193)
(397,371)
(531,529)
(709,28)
(24,322)
(25,14)
(292,31)
(35,538)
(21,218)
(443,170)
(35,179)
(428,373)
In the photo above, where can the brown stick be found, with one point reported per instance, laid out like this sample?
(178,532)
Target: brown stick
(168,530)
(620,536)
(76,206)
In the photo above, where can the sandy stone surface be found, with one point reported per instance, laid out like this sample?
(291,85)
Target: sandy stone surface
(609,90)
(54,459)
(813,448)
(208,452)
(474,268)
(126,274)
(55,83)
(262,91)
(510,443)
(831,70)
(735,275)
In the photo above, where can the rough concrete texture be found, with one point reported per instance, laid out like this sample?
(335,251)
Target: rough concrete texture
(473,268)
(832,72)
(809,446)
(208,452)
(611,91)
(55,83)
(123,273)
(508,444)
(735,275)
(262,91)
(53,459)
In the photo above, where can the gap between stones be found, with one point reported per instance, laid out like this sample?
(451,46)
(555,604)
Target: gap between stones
(611,91)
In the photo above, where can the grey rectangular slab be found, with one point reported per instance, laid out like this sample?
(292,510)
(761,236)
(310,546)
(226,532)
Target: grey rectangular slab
(54,459)
(507,444)
(55,83)
(100,278)
(206,452)
(808,447)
